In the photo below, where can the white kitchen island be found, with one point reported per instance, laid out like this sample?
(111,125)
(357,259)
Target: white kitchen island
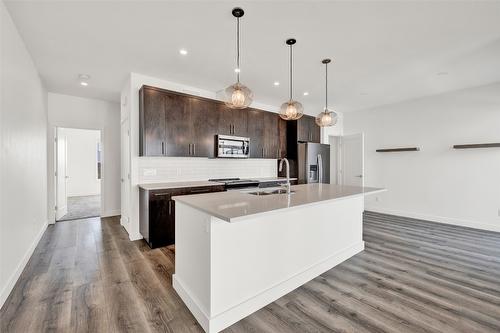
(237,252)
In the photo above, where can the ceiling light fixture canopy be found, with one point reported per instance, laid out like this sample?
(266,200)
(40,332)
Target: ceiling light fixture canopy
(327,117)
(84,79)
(238,96)
(291,110)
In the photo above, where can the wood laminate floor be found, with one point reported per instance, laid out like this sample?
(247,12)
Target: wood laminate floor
(414,276)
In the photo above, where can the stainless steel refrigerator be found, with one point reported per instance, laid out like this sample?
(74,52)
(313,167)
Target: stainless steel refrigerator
(313,163)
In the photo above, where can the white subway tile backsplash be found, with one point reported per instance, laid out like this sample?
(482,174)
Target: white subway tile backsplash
(169,169)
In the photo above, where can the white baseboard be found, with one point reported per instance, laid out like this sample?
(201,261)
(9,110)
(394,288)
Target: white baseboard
(109,213)
(125,223)
(134,236)
(227,318)
(201,316)
(439,219)
(20,267)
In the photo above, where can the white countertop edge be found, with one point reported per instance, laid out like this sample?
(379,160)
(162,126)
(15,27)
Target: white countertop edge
(244,217)
(170,185)
(271,179)
(200,183)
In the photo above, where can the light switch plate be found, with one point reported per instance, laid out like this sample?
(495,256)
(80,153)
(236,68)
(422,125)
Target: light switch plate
(149,172)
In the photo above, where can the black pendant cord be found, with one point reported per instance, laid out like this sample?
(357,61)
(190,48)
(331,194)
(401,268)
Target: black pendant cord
(326,87)
(291,72)
(238,49)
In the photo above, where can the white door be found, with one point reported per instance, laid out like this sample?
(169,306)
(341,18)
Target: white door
(61,174)
(125,171)
(352,159)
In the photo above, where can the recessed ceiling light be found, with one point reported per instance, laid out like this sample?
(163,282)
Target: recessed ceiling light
(183,51)
(306,93)
(363,93)
(276,83)
(442,73)
(84,78)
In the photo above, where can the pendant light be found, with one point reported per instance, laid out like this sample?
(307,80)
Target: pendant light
(327,117)
(238,96)
(291,110)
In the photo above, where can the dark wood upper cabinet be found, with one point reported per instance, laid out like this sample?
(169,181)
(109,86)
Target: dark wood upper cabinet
(240,122)
(152,122)
(307,130)
(176,124)
(232,121)
(271,135)
(282,133)
(204,123)
(256,132)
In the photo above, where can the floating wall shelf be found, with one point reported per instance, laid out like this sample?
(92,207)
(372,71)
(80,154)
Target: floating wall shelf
(477,145)
(394,150)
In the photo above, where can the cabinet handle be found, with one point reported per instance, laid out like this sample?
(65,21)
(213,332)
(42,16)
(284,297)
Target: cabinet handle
(163,148)
(262,151)
(194,148)
(169,207)
(161,194)
(201,190)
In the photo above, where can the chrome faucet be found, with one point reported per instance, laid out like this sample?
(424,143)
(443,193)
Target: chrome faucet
(287,184)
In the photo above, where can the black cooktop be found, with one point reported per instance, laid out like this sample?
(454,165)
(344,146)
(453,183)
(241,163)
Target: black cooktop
(236,182)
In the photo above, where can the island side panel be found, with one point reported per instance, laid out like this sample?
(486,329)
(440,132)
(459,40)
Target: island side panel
(257,260)
(192,261)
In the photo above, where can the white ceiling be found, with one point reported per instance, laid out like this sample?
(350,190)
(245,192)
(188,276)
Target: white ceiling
(383,52)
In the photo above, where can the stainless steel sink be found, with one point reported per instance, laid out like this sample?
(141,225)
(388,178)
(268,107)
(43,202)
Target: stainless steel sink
(279,191)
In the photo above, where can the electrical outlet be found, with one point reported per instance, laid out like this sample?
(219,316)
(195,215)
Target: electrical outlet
(377,198)
(149,172)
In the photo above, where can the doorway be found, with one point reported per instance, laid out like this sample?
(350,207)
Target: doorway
(78,175)
(347,156)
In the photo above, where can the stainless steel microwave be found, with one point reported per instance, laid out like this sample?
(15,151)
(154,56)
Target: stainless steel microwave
(232,146)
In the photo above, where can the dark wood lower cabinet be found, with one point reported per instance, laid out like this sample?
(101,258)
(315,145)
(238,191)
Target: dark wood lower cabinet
(157,212)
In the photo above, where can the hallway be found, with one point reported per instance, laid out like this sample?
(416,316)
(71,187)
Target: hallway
(80,207)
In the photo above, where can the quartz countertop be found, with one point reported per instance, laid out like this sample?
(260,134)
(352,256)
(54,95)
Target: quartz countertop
(233,205)
(270,179)
(170,185)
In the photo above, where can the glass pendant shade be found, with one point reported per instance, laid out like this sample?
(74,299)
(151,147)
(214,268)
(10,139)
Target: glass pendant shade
(326,118)
(291,110)
(238,96)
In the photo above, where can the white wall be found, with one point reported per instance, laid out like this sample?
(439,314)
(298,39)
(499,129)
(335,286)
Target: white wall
(77,112)
(438,183)
(82,162)
(166,167)
(23,181)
